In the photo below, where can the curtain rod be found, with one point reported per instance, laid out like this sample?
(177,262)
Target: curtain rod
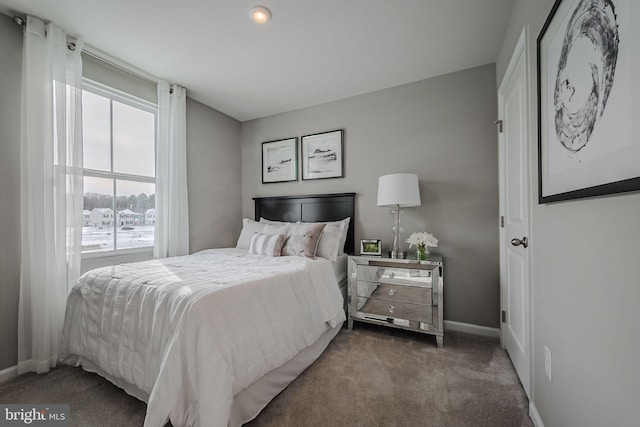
(96,53)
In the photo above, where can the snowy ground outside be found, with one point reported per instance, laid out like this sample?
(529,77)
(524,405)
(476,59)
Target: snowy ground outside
(101,239)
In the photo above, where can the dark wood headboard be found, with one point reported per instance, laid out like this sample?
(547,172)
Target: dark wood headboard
(312,208)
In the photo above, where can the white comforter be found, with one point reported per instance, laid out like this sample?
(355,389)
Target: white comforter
(194,331)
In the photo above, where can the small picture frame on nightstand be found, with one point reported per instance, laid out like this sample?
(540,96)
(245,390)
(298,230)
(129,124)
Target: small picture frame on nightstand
(371,247)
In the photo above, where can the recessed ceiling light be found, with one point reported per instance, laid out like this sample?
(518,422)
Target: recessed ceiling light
(260,14)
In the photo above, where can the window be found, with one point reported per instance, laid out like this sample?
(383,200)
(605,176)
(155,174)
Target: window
(119,139)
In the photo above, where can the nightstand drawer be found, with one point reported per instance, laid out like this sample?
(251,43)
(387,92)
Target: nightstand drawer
(398,293)
(397,310)
(395,276)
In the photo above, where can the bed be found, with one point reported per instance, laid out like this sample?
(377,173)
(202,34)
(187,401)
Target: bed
(210,338)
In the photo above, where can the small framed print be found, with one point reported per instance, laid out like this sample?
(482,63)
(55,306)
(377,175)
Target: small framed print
(322,155)
(371,247)
(280,160)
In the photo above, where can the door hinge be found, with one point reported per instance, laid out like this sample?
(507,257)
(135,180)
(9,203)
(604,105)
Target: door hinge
(499,123)
(504,316)
(501,221)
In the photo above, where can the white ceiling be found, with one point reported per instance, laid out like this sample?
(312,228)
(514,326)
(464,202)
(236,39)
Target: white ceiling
(312,51)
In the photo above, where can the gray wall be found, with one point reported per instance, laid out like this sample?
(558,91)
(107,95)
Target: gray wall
(213,161)
(10,80)
(213,174)
(585,285)
(440,128)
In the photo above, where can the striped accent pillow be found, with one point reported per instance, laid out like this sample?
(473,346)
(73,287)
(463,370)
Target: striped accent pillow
(266,244)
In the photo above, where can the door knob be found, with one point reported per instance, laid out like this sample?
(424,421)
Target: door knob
(517,242)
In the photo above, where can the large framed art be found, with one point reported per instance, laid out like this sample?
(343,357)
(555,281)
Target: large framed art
(588,103)
(322,155)
(280,160)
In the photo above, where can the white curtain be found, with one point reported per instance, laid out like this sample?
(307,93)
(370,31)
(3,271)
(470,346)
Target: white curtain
(51,196)
(172,210)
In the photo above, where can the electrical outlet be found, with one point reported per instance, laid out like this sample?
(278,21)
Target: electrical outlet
(547,362)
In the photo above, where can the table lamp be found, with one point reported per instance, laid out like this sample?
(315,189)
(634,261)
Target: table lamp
(399,190)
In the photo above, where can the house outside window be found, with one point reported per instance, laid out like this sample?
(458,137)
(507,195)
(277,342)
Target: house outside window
(119,170)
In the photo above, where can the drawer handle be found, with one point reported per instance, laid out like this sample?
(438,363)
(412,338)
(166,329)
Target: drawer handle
(392,275)
(391,309)
(392,292)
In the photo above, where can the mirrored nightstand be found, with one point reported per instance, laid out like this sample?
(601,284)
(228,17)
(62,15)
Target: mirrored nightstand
(399,293)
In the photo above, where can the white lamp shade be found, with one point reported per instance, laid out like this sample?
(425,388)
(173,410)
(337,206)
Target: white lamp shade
(399,189)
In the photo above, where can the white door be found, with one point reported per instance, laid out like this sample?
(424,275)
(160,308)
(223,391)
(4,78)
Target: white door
(513,142)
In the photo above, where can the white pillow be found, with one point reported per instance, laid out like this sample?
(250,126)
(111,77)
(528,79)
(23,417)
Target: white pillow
(266,244)
(343,235)
(268,221)
(249,228)
(276,229)
(341,228)
(329,244)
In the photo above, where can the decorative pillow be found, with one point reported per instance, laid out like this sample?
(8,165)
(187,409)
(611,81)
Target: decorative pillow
(249,228)
(302,239)
(329,244)
(334,230)
(266,244)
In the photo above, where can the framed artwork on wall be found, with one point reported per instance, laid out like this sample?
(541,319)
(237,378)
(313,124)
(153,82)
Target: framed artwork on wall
(588,105)
(280,160)
(322,155)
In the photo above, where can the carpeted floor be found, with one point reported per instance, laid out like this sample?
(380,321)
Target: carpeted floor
(371,376)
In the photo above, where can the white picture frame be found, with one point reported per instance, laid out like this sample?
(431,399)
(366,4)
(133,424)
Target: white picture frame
(371,247)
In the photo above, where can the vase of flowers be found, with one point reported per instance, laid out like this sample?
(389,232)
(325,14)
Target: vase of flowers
(422,241)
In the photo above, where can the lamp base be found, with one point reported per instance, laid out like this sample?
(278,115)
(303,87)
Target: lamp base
(397,254)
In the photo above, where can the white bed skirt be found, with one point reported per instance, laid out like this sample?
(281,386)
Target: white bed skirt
(249,402)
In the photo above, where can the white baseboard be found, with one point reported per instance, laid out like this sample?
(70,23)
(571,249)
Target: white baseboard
(535,416)
(9,373)
(470,328)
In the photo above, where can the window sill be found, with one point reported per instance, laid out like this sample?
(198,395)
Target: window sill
(119,252)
